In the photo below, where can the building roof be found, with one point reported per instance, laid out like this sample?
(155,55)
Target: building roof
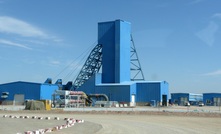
(150,81)
(211,93)
(117,84)
(24,82)
(187,93)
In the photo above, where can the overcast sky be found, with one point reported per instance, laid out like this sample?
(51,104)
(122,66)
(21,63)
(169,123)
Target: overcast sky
(178,41)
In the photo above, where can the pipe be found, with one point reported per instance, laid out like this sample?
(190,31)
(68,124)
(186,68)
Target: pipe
(99,95)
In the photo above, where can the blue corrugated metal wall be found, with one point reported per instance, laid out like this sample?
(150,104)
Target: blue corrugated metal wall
(122,51)
(106,36)
(175,97)
(143,91)
(121,93)
(30,90)
(115,39)
(47,90)
(193,99)
(89,86)
(208,98)
(146,92)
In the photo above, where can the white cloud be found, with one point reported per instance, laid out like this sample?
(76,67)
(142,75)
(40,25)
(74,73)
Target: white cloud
(19,27)
(55,62)
(208,34)
(217,72)
(10,43)
(217,15)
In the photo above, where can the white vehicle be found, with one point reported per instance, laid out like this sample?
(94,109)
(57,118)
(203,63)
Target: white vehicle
(201,104)
(187,104)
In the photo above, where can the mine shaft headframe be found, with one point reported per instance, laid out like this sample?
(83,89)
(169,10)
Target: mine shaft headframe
(90,67)
(135,69)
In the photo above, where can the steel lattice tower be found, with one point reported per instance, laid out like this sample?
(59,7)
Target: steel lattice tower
(90,67)
(136,71)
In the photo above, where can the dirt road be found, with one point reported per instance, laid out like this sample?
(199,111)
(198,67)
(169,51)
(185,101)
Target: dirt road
(115,124)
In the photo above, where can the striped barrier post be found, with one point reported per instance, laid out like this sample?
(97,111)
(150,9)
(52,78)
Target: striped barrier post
(16,117)
(47,118)
(56,118)
(40,118)
(34,117)
(26,117)
(41,131)
(48,130)
(22,117)
(69,123)
(29,132)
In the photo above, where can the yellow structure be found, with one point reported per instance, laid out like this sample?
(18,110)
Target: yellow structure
(47,104)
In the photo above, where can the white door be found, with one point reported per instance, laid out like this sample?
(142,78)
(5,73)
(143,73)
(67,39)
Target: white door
(133,98)
(133,103)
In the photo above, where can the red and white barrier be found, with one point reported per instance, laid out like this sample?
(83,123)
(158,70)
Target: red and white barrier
(22,117)
(65,126)
(26,117)
(34,117)
(60,127)
(69,123)
(56,118)
(40,118)
(29,132)
(48,130)
(16,117)
(41,131)
(47,118)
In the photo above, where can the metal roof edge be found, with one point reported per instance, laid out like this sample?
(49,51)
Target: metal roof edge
(27,82)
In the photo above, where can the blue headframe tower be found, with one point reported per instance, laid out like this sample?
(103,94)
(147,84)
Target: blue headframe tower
(115,52)
(115,39)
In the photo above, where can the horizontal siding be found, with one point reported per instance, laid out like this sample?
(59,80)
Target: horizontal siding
(210,96)
(106,37)
(115,93)
(177,96)
(30,90)
(89,86)
(146,92)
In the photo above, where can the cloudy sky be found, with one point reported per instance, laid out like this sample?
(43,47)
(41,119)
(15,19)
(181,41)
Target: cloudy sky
(177,40)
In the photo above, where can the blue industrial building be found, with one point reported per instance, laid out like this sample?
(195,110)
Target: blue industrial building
(114,38)
(152,91)
(115,79)
(18,92)
(183,98)
(212,99)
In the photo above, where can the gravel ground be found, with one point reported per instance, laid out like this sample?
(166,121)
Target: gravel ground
(119,122)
